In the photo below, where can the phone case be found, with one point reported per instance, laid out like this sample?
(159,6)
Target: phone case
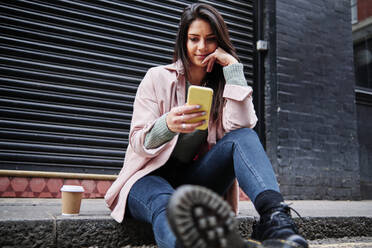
(202,96)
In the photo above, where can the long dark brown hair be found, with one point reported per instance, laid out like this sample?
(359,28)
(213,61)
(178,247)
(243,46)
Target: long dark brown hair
(215,78)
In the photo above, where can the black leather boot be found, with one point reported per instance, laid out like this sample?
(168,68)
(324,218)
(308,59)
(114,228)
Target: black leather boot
(276,225)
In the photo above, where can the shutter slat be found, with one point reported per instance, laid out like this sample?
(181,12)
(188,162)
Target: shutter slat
(18,147)
(60,69)
(63,129)
(50,158)
(60,118)
(23,104)
(20,84)
(34,95)
(67,80)
(65,61)
(60,138)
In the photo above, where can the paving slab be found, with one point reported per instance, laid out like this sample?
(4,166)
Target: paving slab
(320,208)
(37,208)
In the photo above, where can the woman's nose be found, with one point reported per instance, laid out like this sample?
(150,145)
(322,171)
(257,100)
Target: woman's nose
(201,45)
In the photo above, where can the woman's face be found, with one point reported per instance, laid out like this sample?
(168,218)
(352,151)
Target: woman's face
(201,41)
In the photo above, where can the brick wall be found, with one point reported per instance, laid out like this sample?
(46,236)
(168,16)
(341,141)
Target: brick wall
(364,9)
(310,101)
(39,187)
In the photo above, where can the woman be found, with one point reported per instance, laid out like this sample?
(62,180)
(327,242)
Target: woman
(165,151)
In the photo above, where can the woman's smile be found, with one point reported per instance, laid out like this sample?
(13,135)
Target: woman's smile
(201,56)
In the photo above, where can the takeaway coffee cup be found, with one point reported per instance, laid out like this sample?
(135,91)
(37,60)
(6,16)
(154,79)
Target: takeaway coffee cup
(71,199)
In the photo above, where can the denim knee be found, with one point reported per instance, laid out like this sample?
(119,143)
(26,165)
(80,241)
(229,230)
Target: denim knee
(242,134)
(148,197)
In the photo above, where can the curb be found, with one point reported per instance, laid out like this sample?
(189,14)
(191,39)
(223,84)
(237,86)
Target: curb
(105,232)
(321,227)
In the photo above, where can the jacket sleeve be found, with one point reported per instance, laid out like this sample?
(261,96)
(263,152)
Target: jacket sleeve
(238,111)
(146,111)
(159,133)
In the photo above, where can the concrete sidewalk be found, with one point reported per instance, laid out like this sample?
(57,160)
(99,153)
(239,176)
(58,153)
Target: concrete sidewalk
(38,223)
(36,208)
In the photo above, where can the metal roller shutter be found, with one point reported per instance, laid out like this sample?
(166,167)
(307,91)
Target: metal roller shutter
(69,73)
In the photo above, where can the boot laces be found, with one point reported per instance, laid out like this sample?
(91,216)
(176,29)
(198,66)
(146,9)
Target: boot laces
(287,206)
(282,216)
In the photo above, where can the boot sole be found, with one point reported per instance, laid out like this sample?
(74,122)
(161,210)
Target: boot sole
(279,243)
(202,219)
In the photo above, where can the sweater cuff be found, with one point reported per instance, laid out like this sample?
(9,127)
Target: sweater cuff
(159,134)
(234,74)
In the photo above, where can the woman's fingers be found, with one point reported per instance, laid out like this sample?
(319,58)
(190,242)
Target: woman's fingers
(183,124)
(180,110)
(178,116)
(219,56)
(210,59)
(211,63)
(187,117)
(185,109)
(190,127)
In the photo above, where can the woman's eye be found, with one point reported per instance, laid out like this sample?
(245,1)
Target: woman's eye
(195,39)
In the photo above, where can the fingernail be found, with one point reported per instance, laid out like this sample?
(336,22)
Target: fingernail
(198,106)
(203,113)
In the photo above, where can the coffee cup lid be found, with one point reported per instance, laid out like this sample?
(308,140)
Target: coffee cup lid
(72,188)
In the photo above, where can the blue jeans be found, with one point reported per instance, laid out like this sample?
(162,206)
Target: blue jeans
(239,154)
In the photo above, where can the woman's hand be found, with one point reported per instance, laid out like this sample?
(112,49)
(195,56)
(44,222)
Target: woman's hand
(221,57)
(178,116)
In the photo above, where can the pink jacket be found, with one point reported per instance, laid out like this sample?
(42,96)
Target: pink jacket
(161,89)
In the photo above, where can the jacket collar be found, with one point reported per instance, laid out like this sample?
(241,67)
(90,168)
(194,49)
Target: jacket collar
(176,66)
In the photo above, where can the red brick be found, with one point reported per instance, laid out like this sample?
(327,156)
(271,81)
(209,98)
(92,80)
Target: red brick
(54,185)
(8,194)
(103,186)
(4,184)
(72,182)
(364,9)
(19,194)
(27,194)
(89,185)
(45,195)
(37,184)
(19,184)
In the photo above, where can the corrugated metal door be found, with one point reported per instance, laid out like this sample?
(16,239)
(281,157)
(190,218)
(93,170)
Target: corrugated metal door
(69,73)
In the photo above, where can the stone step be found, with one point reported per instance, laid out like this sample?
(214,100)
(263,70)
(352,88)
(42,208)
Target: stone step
(38,223)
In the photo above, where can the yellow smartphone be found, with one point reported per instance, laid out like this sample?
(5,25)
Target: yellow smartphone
(201,96)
